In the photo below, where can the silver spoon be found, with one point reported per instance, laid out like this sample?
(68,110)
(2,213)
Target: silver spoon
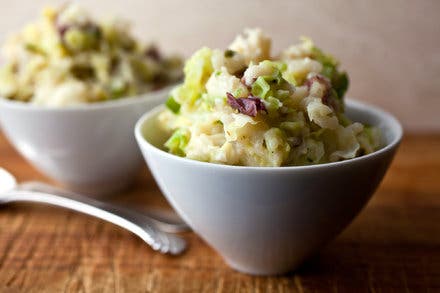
(163,220)
(137,223)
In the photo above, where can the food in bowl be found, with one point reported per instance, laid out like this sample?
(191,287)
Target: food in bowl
(68,58)
(242,106)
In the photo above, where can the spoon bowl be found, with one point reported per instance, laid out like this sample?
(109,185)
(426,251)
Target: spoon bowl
(7,181)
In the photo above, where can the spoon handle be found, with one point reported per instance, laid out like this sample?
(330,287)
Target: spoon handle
(130,220)
(156,217)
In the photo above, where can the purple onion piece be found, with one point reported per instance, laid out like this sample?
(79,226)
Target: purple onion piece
(153,53)
(327,98)
(248,106)
(62,29)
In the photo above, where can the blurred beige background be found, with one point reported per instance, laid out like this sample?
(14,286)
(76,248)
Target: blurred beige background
(391,49)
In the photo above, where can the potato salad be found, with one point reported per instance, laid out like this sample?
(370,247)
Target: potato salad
(69,58)
(243,106)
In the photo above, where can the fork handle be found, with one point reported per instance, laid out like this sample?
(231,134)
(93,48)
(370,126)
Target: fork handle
(158,240)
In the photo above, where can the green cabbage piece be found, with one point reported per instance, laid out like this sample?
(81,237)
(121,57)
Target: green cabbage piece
(315,151)
(272,104)
(260,88)
(82,39)
(197,71)
(340,83)
(141,69)
(339,80)
(178,141)
(35,49)
(373,134)
(273,85)
(272,88)
(172,105)
(294,128)
(118,89)
(273,137)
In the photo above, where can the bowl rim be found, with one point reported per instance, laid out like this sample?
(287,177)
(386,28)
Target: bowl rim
(155,95)
(390,120)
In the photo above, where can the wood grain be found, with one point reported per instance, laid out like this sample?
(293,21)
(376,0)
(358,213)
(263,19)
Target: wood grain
(393,246)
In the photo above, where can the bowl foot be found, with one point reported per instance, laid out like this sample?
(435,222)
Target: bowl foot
(259,271)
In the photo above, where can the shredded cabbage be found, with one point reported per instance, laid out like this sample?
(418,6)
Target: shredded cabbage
(243,107)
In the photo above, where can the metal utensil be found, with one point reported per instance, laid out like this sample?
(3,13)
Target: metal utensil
(163,220)
(137,223)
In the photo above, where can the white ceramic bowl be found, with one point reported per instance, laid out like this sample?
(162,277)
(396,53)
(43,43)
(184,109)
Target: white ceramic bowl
(89,148)
(266,220)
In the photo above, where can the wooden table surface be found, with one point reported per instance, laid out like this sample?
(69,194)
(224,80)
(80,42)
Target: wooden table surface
(392,246)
